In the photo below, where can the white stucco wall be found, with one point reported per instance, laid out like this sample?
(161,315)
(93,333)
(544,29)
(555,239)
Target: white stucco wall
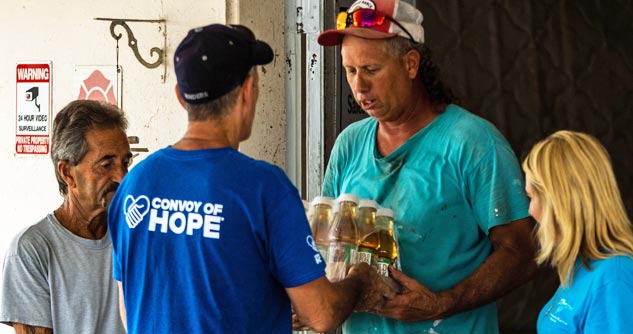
(66,33)
(270,121)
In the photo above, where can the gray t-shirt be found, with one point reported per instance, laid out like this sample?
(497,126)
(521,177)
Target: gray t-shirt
(53,278)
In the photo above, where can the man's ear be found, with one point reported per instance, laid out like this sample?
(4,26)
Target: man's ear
(182,102)
(247,89)
(65,170)
(411,61)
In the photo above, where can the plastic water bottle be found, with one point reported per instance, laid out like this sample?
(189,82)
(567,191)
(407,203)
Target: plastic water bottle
(320,217)
(343,238)
(388,248)
(369,238)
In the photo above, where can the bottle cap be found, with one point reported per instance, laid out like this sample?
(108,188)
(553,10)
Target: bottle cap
(384,212)
(367,203)
(323,200)
(348,198)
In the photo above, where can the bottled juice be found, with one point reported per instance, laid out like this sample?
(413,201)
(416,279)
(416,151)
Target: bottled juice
(369,240)
(320,217)
(388,249)
(343,238)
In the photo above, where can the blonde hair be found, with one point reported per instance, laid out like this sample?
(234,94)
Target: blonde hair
(582,214)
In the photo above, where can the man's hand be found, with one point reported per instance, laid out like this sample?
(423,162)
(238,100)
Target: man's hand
(375,290)
(508,266)
(296,323)
(323,305)
(415,302)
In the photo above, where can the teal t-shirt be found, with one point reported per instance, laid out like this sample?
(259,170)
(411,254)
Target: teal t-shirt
(599,300)
(448,185)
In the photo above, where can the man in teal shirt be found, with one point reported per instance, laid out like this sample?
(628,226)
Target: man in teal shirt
(453,181)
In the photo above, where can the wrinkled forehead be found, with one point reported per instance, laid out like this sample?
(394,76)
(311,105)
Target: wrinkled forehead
(107,141)
(362,48)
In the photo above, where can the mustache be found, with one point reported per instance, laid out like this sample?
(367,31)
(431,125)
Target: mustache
(112,187)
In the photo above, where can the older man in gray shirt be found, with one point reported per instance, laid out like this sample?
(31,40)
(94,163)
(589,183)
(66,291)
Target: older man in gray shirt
(57,274)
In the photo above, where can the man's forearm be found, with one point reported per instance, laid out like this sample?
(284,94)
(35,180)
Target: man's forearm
(323,305)
(502,271)
(343,299)
(28,329)
(510,265)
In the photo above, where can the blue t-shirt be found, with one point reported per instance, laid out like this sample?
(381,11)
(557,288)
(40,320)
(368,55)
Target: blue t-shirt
(448,185)
(598,301)
(206,241)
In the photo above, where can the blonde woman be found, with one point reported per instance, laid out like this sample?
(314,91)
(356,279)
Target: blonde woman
(583,232)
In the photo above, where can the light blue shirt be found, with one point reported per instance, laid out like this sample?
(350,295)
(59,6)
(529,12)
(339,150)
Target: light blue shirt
(448,185)
(599,300)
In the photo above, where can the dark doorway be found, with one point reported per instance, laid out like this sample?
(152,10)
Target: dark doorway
(535,67)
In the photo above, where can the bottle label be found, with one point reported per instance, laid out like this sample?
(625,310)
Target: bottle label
(341,252)
(365,255)
(383,266)
(353,254)
(339,259)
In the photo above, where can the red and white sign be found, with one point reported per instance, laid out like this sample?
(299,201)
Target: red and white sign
(99,83)
(33,108)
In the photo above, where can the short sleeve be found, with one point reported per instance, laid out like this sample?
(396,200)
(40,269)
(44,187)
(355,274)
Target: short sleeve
(25,291)
(496,188)
(295,259)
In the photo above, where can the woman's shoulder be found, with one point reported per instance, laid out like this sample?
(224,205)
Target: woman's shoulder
(614,268)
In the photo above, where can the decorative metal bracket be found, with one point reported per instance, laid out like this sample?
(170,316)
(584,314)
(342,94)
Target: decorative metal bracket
(136,140)
(133,44)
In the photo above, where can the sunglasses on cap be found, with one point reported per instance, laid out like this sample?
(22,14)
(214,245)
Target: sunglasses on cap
(364,18)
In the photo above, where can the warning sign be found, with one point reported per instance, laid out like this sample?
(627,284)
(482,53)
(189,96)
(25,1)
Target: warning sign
(33,108)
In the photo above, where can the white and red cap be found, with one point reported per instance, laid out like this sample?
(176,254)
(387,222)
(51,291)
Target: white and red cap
(404,13)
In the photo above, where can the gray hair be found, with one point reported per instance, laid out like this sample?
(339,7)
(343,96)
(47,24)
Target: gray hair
(70,127)
(218,108)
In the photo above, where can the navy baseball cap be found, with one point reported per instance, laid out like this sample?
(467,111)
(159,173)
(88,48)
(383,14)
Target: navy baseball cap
(213,60)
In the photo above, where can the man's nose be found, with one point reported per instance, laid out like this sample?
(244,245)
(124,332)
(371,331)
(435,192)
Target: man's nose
(360,84)
(119,172)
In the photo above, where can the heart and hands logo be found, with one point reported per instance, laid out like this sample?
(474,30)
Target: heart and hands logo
(135,209)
